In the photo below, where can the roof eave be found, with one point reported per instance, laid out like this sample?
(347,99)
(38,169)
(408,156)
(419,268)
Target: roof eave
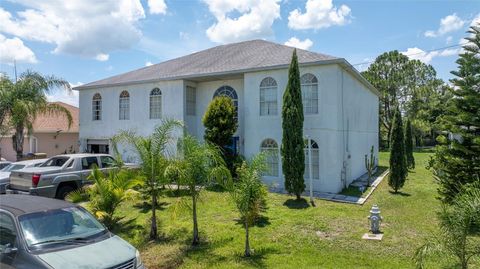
(214,74)
(341,61)
(347,66)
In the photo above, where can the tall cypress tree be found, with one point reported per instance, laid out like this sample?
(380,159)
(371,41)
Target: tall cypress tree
(293,158)
(409,145)
(457,161)
(398,163)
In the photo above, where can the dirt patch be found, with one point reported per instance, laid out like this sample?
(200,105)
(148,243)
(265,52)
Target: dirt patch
(326,235)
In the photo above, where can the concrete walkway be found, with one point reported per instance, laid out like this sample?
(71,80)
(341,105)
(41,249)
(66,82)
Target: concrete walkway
(352,199)
(335,197)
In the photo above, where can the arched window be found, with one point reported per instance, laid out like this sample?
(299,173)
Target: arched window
(97,107)
(309,85)
(271,148)
(228,92)
(268,96)
(124,106)
(315,160)
(155,104)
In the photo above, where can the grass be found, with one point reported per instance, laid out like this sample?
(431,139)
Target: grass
(292,234)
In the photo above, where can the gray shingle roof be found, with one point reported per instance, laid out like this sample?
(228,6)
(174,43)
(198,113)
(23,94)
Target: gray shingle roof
(247,55)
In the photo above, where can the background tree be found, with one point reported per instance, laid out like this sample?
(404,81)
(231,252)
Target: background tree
(249,194)
(107,193)
(457,162)
(198,164)
(398,164)
(293,156)
(402,82)
(23,100)
(154,152)
(459,234)
(220,125)
(409,145)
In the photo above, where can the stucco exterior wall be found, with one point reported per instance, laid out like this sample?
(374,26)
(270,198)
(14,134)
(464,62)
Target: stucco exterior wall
(345,127)
(49,143)
(7,149)
(205,92)
(140,122)
(360,123)
(321,127)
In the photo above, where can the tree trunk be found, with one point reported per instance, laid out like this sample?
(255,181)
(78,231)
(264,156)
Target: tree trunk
(247,242)
(389,134)
(18,142)
(196,239)
(153,227)
(298,196)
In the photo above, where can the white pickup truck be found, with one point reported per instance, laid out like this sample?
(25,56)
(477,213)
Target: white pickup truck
(59,175)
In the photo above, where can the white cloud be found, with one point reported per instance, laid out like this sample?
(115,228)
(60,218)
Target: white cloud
(476,20)
(255,19)
(426,57)
(297,43)
(13,49)
(148,63)
(318,14)
(448,24)
(449,39)
(69,97)
(102,57)
(87,28)
(157,7)
(449,52)
(73,85)
(419,54)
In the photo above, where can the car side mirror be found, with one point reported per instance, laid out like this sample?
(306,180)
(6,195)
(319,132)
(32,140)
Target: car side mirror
(9,249)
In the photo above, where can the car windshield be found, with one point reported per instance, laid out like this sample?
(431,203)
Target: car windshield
(59,225)
(12,167)
(55,161)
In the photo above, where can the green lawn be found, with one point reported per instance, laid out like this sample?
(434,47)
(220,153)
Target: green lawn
(292,235)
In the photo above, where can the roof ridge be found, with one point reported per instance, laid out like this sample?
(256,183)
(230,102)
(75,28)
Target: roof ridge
(232,57)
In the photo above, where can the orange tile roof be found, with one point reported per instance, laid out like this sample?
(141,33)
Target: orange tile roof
(50,123)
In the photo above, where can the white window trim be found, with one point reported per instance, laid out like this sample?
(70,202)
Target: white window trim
(159,103)
(263,90)
(265,147)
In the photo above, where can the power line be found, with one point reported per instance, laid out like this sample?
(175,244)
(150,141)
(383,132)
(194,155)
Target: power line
(417,53)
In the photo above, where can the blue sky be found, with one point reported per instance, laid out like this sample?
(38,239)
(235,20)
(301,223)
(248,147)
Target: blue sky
(86,40)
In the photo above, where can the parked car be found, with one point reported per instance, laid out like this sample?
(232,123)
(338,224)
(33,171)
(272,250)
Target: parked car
(4,164)
(59,175)
(38,232)
(5,172)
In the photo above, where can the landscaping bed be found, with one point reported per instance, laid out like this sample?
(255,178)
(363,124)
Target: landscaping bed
(291,234)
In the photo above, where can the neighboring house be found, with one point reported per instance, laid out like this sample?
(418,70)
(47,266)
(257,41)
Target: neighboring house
(340,106)
(51,135)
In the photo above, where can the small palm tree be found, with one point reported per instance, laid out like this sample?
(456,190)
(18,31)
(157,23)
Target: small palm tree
(249,194)
(107,193)
(197,165)
(23,100)
(154,152)
(459,230)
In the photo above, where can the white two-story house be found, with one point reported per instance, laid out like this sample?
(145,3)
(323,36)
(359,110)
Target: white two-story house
(340,106)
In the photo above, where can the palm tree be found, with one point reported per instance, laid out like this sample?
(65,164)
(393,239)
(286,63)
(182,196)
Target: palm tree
(459,234)
(196,166)
(154,152)
(23,100)
(107,193)
(249,194)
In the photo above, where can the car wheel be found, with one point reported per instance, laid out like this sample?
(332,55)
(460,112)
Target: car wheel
(63,191)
